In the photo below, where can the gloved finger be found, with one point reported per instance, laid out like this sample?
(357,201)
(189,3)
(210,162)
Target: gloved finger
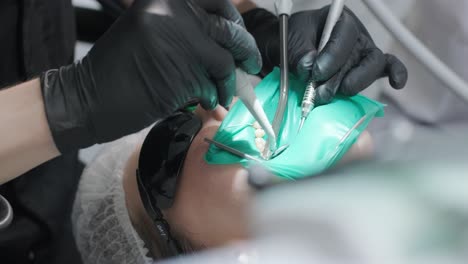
(336,52)
(303,68)
(325,92)
(236,40)
(209,100)
(222,8)
(220,66)
(396,71)
(369,69)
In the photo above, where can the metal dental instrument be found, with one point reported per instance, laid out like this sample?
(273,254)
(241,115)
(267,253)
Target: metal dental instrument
(345,136)
(245,92)
(232,150)
(241,154)
(279,151)
(283,9)
(6,213)
(351,130)
(308,101)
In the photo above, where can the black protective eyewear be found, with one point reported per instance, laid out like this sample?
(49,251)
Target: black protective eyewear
(160,164)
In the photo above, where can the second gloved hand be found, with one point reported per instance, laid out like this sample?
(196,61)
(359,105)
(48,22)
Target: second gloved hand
(158,57)
(348,64)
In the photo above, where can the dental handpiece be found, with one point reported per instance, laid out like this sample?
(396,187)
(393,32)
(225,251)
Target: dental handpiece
(308,101)
(245,92)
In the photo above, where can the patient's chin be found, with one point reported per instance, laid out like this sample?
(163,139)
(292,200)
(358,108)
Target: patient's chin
(361,150)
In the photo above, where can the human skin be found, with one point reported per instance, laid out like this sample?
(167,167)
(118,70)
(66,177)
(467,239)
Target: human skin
(25,137)
(211,203)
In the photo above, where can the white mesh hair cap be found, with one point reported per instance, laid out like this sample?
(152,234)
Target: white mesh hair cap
(101,224)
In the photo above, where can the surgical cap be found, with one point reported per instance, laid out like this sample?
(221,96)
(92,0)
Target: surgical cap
(102,227)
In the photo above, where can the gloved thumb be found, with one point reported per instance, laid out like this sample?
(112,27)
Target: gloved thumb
(303,68)
(396,71)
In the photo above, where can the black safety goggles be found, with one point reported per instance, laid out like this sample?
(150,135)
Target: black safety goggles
(160,164)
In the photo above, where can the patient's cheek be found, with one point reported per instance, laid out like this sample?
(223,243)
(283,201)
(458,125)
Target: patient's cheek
(362,149)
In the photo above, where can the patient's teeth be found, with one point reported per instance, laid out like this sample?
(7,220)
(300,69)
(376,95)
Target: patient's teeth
(259,133)
(256,125)
(260,143)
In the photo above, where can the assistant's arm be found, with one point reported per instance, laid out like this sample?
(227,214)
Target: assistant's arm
(25,137)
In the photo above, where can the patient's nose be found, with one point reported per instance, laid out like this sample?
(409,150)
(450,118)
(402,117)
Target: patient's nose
(217,114)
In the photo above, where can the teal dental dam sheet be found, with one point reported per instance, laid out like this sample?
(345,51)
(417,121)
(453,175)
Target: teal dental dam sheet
(328,133)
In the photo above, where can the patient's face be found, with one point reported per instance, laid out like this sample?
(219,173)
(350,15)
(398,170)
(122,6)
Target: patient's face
(211,200)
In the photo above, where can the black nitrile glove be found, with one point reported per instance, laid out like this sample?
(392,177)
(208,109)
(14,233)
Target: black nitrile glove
(348,64)
(158,57)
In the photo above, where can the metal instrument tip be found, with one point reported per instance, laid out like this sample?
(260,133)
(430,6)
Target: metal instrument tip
(301,124)
(232,150)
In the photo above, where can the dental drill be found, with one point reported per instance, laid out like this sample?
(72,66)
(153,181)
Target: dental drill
(308,101)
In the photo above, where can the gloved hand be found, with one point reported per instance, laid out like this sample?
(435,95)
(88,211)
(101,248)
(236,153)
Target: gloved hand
(348,64)
(158,57)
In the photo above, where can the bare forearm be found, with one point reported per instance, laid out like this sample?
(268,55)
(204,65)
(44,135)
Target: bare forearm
(244,5)
(25,138)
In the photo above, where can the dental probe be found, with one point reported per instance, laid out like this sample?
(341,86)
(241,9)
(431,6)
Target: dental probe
(308,101)
(241,154)
(232,150)
(283,9)
(245,92)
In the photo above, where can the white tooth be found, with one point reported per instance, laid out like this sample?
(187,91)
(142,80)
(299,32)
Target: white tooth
(256,125)
(260,140)
(259,133)
(261,149)
(260,143)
